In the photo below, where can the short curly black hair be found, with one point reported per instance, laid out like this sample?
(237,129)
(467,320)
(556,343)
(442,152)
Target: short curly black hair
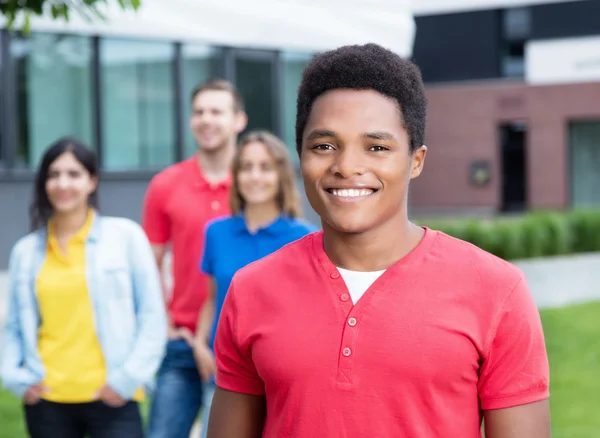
(365,67)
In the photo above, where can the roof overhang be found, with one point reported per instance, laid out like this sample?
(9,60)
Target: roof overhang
(291,25)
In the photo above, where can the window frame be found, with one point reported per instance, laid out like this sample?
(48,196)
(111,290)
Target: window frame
(9,117)
(570,155)
(139,172)
(184,94)
(232,54)
(9,104)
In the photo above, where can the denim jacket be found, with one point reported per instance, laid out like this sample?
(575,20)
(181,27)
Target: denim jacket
(128,307)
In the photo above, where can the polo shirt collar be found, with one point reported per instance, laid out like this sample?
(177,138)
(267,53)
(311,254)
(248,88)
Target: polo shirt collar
(200,180)
(89,230)
(275,228)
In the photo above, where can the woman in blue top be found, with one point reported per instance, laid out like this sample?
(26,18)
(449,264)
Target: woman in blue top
(265,206)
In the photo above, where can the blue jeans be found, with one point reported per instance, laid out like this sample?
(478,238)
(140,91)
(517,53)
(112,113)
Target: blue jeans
(177,397)
(209,392)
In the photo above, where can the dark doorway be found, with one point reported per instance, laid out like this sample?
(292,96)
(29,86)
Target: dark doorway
(513,138)
(255,76)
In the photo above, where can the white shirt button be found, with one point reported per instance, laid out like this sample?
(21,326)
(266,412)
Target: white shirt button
(352,322)
(346,352)
(215,205)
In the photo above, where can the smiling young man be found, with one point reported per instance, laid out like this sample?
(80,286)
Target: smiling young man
(375,327)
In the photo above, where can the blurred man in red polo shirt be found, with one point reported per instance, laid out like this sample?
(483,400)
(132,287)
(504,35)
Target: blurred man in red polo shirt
(179,202)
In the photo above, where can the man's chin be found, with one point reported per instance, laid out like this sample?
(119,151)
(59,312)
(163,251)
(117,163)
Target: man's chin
(345,226)
(210,147)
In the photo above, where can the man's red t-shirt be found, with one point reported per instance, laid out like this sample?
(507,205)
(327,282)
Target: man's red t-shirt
(446,332)
(178,204)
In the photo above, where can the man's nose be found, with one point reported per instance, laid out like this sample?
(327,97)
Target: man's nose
(348,162)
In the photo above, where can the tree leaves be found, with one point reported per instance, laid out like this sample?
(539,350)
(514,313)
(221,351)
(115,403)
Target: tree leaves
(58,9)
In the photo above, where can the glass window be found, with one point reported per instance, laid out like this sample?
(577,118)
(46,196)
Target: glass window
(255,82)
(293,65)
(53,79)
(138,117)
(200,63)
(3,164)
(513,62)
(517,23)
(585,163)
(3,157)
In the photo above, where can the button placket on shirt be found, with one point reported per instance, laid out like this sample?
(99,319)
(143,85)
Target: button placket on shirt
(349,331)
(214,191)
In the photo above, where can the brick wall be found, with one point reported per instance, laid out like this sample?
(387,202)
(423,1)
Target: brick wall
(463,122)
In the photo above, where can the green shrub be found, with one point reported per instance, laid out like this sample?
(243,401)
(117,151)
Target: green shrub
(586,225)
(510,240)
(534,234)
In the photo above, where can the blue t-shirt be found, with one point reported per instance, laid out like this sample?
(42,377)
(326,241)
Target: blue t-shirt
(229,246)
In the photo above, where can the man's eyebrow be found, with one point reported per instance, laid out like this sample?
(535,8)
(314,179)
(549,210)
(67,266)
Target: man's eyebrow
(375,135)
(379,135)
(320,133)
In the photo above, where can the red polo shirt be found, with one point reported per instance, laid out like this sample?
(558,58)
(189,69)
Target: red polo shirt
(445,332)
(179,203)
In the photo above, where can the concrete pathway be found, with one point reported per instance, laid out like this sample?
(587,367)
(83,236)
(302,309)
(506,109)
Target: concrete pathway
(559,281)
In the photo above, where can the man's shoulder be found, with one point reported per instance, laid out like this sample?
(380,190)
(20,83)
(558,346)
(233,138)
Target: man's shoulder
(466,260)
(170,175)
(291,258)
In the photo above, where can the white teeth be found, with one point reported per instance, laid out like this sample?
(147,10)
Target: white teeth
(349,193)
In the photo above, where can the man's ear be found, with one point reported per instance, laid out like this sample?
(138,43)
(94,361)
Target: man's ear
(241,121)
(418,161)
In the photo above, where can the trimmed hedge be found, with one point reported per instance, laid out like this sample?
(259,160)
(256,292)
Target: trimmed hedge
(535,234)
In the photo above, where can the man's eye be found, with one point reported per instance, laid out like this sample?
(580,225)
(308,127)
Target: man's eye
(323,147)
(378,148)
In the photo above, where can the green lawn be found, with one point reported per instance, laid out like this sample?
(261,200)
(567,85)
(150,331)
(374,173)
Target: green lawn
(10,417)
(573,339)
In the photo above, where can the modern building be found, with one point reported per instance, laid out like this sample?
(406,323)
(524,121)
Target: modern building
(514,105)
(122,84)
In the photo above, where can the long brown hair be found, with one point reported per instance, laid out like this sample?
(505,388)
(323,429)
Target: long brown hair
(288,198)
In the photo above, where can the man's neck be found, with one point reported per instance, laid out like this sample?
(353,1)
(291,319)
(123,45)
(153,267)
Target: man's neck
(68,224)
(216,165)
(375,250)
